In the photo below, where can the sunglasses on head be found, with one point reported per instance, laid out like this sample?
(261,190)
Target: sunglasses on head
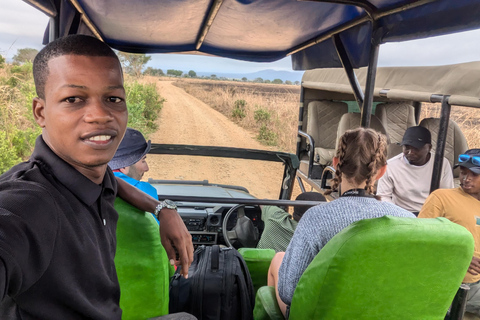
(465,157)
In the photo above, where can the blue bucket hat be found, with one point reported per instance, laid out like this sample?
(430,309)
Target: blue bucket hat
(131,150)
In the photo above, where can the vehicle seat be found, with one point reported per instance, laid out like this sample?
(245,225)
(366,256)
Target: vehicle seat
(258,262)
(396,117)
(382,268)
(455,145)
(352,120)
(322,123)
(142,264)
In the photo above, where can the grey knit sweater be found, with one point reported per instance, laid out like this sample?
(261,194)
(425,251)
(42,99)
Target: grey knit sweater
(317,226)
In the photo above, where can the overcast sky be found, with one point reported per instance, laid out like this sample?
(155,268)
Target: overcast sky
(22,26)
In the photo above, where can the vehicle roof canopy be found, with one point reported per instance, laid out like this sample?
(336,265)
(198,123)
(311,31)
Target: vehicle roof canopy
(461,81)
(260,30)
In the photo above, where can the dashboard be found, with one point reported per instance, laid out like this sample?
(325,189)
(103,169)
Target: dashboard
(205,223)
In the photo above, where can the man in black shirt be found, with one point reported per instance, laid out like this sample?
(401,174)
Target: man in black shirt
(57,220)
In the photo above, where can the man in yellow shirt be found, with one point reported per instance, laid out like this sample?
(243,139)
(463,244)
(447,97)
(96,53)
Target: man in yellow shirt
(462,206)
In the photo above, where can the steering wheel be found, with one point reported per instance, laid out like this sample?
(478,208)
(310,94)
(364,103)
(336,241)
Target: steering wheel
(244,232)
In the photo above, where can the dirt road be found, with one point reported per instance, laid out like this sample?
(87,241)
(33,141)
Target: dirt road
(186,120)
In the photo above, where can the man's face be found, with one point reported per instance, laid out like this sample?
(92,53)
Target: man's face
(470,182)
(415,156)
(84,114)
(137,170)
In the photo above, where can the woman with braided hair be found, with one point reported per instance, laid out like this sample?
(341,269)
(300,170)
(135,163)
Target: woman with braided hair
(361,159)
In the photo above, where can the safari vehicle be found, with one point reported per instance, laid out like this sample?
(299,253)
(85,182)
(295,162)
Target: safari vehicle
(317,34)
(329,109)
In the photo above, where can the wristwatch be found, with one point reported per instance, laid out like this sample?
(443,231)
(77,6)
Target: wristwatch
(169,204)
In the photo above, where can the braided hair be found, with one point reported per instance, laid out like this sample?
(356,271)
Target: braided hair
(361,153)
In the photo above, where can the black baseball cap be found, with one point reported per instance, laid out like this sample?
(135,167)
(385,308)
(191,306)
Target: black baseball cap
(469,162)
(416,137)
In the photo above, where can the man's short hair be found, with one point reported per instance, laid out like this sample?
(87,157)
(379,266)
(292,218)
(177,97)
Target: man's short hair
(78,44)
(306,196)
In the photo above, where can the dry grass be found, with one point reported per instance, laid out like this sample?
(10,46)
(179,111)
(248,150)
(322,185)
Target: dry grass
(280,102)
(467,119)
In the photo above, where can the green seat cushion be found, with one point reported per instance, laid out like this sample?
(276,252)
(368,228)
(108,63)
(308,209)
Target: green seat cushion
(142,264)
(386,268)
(258,262)
(266,306)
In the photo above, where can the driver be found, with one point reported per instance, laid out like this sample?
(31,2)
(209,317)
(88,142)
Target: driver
(280,225)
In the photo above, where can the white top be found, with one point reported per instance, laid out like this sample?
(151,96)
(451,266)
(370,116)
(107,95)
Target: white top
(408,186)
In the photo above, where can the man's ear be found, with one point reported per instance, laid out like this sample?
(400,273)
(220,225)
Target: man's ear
(38,108)
(381,172)
(335,162)
(124,170)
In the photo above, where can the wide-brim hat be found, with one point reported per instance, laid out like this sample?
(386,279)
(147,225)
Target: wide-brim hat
(416,137)
(469,164)
(131,150)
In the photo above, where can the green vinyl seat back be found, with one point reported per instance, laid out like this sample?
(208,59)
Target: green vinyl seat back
(258,262)
(384,268)
(142,264)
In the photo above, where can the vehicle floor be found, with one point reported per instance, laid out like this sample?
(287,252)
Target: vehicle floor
(186,120)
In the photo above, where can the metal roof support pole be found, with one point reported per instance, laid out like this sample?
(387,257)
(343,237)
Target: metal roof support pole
(347,66)
(441,141)
(53,29)
(300,119)
(370,83)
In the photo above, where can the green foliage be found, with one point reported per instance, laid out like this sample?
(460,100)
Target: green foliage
(2,61)
(8,155)
(261,114)
(144,104)
(288,82)
(277,81)
(259,80)
(213,76)
(192,74)
(267,81)
(267,136)
(24,55)
(133,63)
(239,110)
(244,79)
(153,72)
(176,73)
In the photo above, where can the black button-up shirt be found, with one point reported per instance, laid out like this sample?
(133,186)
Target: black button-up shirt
(57,242)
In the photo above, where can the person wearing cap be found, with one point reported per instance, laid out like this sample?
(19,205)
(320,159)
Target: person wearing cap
(462,206)
(129,162)
(407,180)
(280,225)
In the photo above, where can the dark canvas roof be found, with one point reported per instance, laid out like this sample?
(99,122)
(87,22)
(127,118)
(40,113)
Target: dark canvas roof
(261,30)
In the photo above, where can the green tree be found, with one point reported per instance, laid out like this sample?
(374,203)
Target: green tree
(288,82)
(213,76)
(192,74)
(2,61)
(153,72)
(259,80)
(176,73)
(277,81)
(24,55)
(244,79)
(296,83)
(133,63)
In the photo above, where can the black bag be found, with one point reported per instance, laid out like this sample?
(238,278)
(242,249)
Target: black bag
(218,287)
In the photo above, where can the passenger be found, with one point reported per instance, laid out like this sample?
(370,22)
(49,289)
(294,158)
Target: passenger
(280,225)
(462,206)
(130,162)
(57,216)
(359,162)
(407,180)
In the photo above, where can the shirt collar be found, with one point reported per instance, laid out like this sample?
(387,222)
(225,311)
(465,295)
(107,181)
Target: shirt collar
(85,189)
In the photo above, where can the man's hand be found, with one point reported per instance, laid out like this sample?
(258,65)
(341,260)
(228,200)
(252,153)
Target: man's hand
(474,267)
(174,233)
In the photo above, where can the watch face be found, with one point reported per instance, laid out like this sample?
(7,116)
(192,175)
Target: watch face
(170,204)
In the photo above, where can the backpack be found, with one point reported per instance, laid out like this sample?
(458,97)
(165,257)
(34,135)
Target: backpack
(218,287)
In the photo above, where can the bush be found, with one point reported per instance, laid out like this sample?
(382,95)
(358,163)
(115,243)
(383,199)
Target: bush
(261,115)
(144,104)
(267,136)
(239,110)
